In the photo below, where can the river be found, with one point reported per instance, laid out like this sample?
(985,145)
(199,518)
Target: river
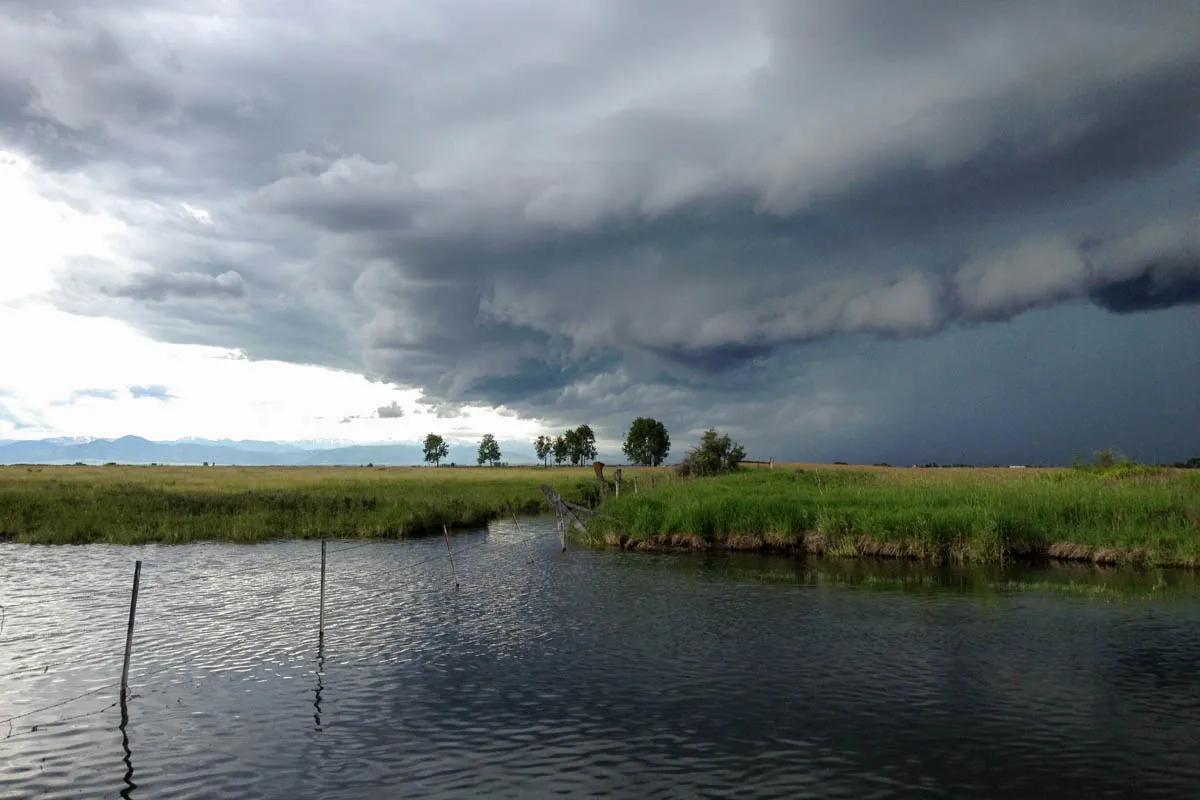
(589,672)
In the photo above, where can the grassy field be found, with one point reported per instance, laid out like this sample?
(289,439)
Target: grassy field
(133,504)
(1123,514)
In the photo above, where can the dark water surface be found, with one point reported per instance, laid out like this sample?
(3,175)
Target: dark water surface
(589,673)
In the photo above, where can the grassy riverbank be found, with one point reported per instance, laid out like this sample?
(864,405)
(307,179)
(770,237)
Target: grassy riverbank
(133,504)
(1121,515)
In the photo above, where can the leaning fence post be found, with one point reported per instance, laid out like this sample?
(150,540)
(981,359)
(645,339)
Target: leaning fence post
(617,481)
(321,613)
(450,551)
(137,579)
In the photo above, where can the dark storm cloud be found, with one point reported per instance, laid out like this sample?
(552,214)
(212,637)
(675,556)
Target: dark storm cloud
(1149,290)
(158,286)
(593,211)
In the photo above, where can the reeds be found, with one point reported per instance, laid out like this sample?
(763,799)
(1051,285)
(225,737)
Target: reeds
(131,505)
(1148,515)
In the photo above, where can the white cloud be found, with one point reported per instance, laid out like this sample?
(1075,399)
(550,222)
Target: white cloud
(59,371)
(38,235)
(50,382)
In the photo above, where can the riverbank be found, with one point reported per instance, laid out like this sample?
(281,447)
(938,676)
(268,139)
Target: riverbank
(1124,515)
(140,504)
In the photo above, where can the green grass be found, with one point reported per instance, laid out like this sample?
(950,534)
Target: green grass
(1144,515)
(131,505)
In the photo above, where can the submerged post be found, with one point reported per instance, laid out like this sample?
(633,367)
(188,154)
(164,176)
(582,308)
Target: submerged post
(450,552)
(137,579)
(321,613)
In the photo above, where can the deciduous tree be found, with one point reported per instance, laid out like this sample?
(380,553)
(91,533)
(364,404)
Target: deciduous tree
(489,450)
(647,442)
(581,444)
(435,449)
(542,447)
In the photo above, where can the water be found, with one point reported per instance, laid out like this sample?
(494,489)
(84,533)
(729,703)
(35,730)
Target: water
(590,673)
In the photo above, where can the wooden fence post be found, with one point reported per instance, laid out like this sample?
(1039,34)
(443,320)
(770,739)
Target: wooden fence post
(137,579)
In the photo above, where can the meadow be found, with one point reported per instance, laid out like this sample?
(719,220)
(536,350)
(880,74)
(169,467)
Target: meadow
(136,504)
(1123,514)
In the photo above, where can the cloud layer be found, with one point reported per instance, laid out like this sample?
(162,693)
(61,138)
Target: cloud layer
(769,216)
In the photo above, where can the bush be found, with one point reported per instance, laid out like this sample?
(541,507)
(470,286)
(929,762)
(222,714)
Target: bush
(716,454)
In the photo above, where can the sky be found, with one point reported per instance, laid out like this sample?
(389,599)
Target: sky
(904,232)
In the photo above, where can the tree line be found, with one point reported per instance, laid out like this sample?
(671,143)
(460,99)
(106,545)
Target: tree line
(647,443)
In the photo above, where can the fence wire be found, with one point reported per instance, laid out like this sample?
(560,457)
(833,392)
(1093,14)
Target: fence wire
(142,679)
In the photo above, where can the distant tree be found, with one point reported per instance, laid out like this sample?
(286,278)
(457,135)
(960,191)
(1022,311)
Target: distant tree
(715,454)
(489,450)
(560,449)
(587,442)
(581,444)
(435,449)
(647,442)
(571,437)
(543,445)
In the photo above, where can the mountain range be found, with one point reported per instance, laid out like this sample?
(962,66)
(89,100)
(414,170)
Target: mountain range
(136,450)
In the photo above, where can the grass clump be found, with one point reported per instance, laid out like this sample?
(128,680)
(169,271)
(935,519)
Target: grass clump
(1114,514)
(133,504)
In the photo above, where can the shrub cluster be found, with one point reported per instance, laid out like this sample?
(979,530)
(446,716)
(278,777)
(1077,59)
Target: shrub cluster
(716,454)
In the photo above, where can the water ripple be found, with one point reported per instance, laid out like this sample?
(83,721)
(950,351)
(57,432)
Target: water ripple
(585,673)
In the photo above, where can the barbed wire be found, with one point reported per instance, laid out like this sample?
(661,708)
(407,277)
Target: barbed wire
(142,679)
(80,696)
(35,668)
(55,723)
(257,567)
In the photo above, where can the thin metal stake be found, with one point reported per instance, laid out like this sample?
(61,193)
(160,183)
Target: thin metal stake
(321,616)
(450,551)
(137,579)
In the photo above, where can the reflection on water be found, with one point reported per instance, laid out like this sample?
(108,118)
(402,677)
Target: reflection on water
(127,778)
(590,672)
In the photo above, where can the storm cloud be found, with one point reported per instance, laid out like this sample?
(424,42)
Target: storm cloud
(811,223)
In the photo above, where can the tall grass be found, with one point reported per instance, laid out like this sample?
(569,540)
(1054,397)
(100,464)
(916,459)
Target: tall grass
(129,504)
(1146,515)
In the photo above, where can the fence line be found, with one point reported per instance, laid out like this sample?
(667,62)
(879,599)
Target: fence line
(256,568)
(141,679)
(54,723)
(35,668)
(22,715)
